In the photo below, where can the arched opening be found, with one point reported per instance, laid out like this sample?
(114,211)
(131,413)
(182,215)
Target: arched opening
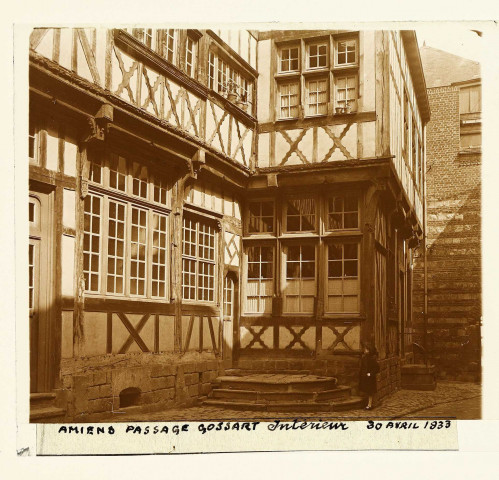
(129,397)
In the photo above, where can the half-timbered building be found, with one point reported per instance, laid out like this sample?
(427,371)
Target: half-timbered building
(204,200)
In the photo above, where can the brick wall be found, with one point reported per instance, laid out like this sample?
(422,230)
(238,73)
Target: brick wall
(453,250)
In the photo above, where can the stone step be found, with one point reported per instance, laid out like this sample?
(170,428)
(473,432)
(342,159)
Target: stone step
(278,383)
(42,399)
(278,396)
(39,414)
(333,406)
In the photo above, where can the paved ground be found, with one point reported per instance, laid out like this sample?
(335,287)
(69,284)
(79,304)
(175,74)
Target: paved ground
(449,400)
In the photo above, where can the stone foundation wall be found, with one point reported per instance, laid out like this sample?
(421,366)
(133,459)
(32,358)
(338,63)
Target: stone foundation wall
(389,377)
(95,392)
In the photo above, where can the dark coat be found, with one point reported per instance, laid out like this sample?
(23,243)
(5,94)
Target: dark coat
(368,364)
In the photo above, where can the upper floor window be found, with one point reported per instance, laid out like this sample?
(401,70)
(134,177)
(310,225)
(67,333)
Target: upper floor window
(190,56)
(470,99)
(318,93)
(343,212)
(289,59)
(289,99)
(471,140)
(300,215)
(317,55)
(125,240)
(317,96)
(169,44)
(198,260)
(261,217)
(32,143)
(346,52)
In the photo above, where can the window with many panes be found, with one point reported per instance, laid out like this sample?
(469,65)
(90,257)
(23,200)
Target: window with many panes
(125,230)
(289,59)
(317,55)
(343,212)
(198,259)
(343,278)
(225,79)
(346,92)
(289,99)
(259,288)
(340,83)
(407,114)
(261,217)
(317,96)
(300,215)
(228,297)
(346,52)
(300,285)
(190,56)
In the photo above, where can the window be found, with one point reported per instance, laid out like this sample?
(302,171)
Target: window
(289,59)
(471,140)
(346,52)
(343,278)
(190,56)
(300,215)
(300,287)
(198,260)
(32,143)
(169,44)
(317,97)
(228,297)
(148,38)
(317,55)
(405,150)
(261,217)
(225,79)
(470,99)
(259,288)
(289,99)
(346,92)
(343,212)
(414,147)
(125,234)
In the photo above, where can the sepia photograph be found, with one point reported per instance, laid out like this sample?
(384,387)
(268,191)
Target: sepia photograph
(253,224)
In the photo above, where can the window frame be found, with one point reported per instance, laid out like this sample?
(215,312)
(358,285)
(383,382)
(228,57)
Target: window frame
(248,216)
(317,79)
(100,187)
(354,100)
(259,280)
(317,43)
(328,212)
(285,214)
(347,64)
(289,107)
(298,59)
(197,259)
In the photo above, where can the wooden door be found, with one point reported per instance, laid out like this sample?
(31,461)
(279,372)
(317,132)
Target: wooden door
(40,283)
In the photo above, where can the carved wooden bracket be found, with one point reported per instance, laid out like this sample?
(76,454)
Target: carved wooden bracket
(197,163)
(99,125)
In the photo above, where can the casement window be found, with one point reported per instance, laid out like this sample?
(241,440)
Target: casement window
(342,278)
(261,217)
(343,212)
(414,147)
(198,260)
(405,151)
(300,283)
(169,44)
(470,99)
(190,56)
(346,52)
(300,215)
(32,143)
(346,92)
(228,297)
(317,55)
(289,100)
(317,97)
(125,231)
(259,288)
(289,59)
(225,79)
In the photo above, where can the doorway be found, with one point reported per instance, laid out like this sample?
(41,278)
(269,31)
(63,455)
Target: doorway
(40,289)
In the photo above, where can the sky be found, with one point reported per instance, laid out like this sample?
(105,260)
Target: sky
(456,39)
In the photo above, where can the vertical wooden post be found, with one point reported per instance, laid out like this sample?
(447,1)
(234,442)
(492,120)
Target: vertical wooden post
(382,94)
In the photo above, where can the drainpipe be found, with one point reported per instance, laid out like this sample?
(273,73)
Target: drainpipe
(425,261)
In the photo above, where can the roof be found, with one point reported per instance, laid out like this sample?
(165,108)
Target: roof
(443,68)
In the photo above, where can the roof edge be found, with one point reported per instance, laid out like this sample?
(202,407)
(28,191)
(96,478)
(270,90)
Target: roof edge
(416,67)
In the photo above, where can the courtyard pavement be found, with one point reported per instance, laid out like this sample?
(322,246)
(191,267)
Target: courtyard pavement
(449,400)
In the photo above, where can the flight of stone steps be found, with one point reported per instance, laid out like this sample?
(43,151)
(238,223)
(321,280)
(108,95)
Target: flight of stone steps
(281,392)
